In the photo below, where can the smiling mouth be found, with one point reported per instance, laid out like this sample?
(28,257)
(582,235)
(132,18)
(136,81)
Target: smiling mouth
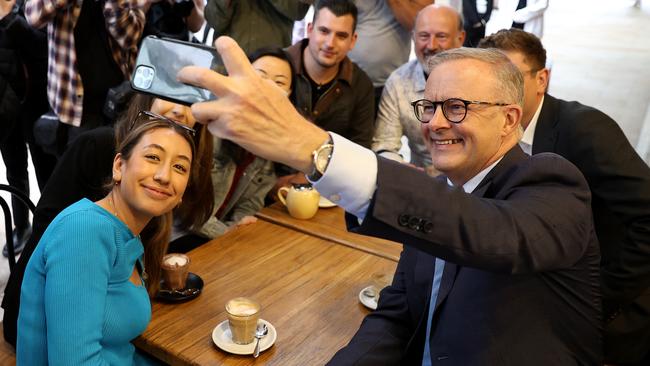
(447,142)
(159,193)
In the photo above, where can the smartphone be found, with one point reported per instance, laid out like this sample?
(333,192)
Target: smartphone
(160,59)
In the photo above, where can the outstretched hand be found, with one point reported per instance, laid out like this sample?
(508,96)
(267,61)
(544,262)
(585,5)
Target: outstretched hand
(251,111)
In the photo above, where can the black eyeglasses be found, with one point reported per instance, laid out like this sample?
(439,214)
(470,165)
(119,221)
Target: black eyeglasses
(454,109)
(155,116)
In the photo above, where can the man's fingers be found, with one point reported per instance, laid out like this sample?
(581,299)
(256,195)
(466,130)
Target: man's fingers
(233,57)
(206,112)
(205,78)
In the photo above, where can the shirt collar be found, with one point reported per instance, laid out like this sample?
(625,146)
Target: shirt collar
(420,80)
(529,132)
(471,184)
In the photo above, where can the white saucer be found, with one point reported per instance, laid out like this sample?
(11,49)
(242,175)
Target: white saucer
(367,301)
(325,203)
(222,337)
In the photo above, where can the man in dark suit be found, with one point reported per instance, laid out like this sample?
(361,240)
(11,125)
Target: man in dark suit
(504,246)
(620,184)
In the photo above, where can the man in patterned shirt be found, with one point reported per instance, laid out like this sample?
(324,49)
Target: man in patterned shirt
(92,46)
(437,28)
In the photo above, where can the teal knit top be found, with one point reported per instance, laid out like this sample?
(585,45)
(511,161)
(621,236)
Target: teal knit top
(77,304)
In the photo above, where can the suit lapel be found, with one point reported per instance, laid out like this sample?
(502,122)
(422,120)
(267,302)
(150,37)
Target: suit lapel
(545,133)
(513,156)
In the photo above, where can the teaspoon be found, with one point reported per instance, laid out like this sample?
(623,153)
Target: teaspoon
(260,332)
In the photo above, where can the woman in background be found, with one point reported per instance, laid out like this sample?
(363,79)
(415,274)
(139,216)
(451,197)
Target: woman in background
(240,179)
(85,292)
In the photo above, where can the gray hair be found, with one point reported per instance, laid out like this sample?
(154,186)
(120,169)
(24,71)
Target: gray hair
(509,81)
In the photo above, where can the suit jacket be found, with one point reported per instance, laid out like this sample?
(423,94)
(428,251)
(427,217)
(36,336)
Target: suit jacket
(620,186)
(520,286)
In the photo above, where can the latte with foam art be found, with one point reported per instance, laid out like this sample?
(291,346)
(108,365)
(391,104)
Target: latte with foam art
(243,314)
(175,268)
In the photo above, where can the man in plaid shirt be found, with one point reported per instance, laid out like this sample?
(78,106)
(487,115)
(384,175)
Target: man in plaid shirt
(123,24)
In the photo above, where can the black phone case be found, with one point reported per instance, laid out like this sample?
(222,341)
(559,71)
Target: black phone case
(159,61)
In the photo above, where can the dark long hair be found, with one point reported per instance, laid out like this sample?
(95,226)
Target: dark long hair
(198,200)
(155,235)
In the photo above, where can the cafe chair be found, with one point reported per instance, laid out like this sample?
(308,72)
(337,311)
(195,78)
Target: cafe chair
(7,215)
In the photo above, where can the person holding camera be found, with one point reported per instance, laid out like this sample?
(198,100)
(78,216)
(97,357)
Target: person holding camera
(92,47)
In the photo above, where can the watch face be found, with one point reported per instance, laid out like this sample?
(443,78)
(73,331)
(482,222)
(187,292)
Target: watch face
(323,159)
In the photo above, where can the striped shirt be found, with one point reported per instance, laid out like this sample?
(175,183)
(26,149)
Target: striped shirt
(124,23)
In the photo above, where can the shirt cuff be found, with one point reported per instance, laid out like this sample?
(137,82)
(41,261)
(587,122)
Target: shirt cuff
(350,179)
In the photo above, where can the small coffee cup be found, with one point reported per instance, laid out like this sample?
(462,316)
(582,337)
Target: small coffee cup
(175,268)
(243,314)
(301,200)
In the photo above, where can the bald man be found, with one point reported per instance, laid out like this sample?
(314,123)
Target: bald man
(437,28)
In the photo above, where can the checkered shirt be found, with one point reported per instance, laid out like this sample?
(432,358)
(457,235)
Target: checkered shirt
(124,23)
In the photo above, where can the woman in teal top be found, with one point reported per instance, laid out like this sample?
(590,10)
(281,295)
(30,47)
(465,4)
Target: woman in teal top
(83,297)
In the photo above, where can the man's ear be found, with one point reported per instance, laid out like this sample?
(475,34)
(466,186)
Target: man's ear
(541,81)
(354,40)
(118,164)
(310,28)
(461,37)
(512,119)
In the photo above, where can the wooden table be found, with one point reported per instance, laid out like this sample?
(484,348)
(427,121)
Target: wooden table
(308,288)
(329,224)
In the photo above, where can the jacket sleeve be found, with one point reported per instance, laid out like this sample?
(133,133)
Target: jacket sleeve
(40,12)
(362,121)
(620,181)
(218,14)
(30,42)
(532,11)
(383,335)
(539,220)
(388,134)
(213,228)
(76,289)
(253,199)
(292,9)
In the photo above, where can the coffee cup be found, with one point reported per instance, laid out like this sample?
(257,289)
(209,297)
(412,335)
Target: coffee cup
(243,314)
(175,268)
(301,200)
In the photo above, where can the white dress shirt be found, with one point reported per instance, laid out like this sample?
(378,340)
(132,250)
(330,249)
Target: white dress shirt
(350,179)
(526,142)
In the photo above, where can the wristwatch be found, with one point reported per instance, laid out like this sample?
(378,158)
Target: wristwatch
(320,160)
